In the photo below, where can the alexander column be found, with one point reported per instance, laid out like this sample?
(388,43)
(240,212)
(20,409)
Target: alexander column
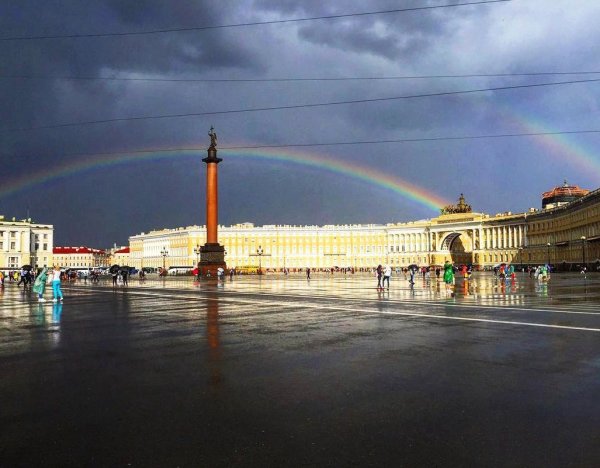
(212,254)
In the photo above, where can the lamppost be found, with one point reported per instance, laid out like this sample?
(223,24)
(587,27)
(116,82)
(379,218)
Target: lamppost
(583,251)
(197,252)
(520,251)
(548,253)
(164,254)
(259,253)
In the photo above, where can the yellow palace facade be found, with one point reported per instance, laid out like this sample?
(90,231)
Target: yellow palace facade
(566,235)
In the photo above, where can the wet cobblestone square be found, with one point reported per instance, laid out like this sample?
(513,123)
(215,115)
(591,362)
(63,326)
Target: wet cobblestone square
(279,371)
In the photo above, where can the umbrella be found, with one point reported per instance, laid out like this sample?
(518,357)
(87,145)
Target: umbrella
(114,269)
(27,267)
(413,267)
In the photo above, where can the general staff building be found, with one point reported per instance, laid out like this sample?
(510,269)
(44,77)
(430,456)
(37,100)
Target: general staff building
(565,233)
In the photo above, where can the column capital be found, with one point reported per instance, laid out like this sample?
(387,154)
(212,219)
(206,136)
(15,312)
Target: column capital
(212,157)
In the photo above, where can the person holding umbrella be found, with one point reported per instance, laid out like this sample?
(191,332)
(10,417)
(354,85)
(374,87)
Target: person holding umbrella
(114,271)
(448,276)
(24,276)
(39,286)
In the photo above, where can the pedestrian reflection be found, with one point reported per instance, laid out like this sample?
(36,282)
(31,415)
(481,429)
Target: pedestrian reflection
(56,312)
(542,289)
(39,317)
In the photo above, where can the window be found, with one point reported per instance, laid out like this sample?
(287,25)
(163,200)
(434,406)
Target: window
(13,246)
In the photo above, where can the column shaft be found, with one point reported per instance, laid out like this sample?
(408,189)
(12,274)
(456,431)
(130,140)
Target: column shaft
(212,203)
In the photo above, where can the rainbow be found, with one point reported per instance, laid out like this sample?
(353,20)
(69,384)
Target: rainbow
(558,146)
(89,162)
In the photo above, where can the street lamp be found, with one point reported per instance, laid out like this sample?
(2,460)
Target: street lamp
(520,251)
(197,252)
(164,254)
(583,250)
(259,253)
(548,252)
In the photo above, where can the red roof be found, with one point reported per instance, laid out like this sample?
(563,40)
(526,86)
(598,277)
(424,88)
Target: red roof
(123,250)
(76,250)
(565,190)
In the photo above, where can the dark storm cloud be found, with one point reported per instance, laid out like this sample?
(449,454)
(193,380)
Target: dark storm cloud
(394,36)
(128,199)
(26,101)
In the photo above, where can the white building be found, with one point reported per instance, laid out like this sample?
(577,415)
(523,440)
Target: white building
(24,242)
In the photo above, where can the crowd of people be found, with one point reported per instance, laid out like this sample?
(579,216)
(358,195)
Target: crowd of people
(37,281)
(29,278)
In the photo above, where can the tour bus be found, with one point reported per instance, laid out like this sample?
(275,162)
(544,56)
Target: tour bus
(246,270)
(180,270)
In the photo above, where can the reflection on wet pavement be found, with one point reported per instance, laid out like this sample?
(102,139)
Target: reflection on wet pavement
(282,371)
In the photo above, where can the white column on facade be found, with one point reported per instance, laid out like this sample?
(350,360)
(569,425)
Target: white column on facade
(522,236)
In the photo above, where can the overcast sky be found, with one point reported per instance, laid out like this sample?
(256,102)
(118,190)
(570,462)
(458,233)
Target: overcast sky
(106,203)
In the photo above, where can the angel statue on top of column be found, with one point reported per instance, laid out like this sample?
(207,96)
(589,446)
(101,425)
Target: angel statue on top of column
(213,137)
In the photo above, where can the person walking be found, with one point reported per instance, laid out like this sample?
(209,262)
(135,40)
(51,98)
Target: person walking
(308,273)
(56,292)
(449,276)
(23,278)
(387,273)
(379,276)
(39,285)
